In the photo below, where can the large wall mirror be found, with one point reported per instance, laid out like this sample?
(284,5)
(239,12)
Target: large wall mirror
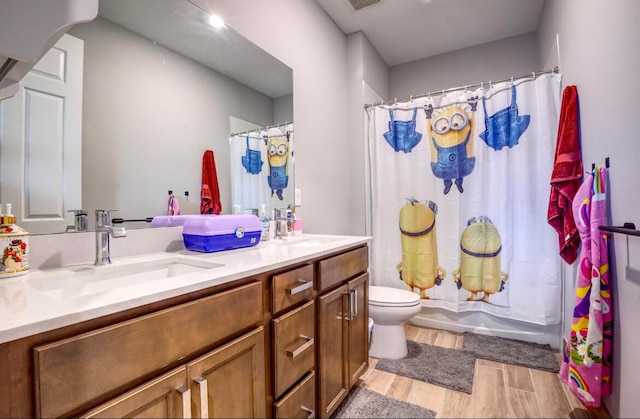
(158,87)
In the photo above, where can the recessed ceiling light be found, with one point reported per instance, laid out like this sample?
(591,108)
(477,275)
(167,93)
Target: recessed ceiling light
(216,21)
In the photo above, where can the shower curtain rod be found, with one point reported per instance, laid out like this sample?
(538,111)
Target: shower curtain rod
(533,75)
(283,124)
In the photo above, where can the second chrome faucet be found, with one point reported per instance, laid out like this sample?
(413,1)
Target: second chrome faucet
(104,232)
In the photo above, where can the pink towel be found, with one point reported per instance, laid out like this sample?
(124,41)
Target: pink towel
(174,206)
(210,192)
(566,176)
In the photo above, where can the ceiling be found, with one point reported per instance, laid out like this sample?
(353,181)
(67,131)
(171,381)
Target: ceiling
(409,30)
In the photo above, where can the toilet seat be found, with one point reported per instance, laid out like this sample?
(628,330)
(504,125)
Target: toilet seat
(392,297)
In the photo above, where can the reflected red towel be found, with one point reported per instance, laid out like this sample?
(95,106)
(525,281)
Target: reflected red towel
(566,176)
(210,193)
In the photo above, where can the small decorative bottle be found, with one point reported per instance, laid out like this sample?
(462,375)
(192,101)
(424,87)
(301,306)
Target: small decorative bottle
(14,245)
(264,222)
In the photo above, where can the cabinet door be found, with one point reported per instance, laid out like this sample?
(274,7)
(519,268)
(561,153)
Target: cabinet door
(229,382)
(333,382)
(358,327)
(165,397)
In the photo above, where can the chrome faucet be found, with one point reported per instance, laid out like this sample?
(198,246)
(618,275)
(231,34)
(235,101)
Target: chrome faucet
(104,232)
(281,220)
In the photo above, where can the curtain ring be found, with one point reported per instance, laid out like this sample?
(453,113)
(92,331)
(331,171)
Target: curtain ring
(512,80)
(411,98)
(533,75)
(443,94)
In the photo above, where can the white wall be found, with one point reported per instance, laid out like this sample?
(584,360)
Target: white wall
(148,116)
(512,56)
(599,54)
(364,65)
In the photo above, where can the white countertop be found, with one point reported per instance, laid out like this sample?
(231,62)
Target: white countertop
(46,299)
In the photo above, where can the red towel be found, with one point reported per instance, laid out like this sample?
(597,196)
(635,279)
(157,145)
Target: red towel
(210,193)
(566,176)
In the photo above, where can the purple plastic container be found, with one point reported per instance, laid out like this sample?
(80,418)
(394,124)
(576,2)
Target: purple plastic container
(220,232)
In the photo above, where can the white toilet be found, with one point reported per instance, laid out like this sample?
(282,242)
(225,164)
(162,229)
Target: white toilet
(390,308)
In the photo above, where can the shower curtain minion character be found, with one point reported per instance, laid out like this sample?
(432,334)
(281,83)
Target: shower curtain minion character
(450,135)
(480,246)
(278,158)
(419,267)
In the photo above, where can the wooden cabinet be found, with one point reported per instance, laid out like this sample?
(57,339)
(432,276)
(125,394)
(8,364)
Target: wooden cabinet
(285,343)
(293,343)
(229,381)
(165,397)
(299,402)
(219,384)
(74,373)
(343,348)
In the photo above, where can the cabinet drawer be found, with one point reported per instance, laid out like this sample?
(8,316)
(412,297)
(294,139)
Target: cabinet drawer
(291,287)
(294,346)
(90,368)
(300,402)
(334,270)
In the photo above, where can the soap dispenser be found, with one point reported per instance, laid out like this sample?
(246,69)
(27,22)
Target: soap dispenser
(264,222)
(14,244)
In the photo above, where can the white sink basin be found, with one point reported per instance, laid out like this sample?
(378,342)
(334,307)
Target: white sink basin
(88,279)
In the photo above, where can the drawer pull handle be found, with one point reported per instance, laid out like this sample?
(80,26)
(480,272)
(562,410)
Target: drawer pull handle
(296,290)
(311,413)
(302,348)
(185,394)
(204,401)
(348,312)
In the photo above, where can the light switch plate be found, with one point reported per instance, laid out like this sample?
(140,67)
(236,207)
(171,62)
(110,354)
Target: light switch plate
(297,199)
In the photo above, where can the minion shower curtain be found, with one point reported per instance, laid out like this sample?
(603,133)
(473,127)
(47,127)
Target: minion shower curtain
(460,189)
(255,165)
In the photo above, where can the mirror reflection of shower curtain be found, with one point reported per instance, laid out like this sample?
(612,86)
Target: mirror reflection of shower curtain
(489,203)
(248,190)
(251,190)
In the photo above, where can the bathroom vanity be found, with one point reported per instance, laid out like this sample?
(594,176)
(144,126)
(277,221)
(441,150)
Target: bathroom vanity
(275,330)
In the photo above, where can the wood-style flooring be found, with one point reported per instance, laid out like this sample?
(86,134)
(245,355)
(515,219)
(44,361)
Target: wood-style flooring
(499,390)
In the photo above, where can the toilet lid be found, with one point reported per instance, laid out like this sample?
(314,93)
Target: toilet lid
(387,296)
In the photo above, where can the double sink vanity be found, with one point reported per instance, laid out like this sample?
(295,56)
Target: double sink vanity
(275,330)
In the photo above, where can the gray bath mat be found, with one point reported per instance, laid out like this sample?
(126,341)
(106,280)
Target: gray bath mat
(363,403)
(450,368)
(509,351)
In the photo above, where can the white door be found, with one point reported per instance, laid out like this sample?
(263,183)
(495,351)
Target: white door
(41,141)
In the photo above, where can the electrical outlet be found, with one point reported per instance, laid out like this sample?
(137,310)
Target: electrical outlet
(297,200)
